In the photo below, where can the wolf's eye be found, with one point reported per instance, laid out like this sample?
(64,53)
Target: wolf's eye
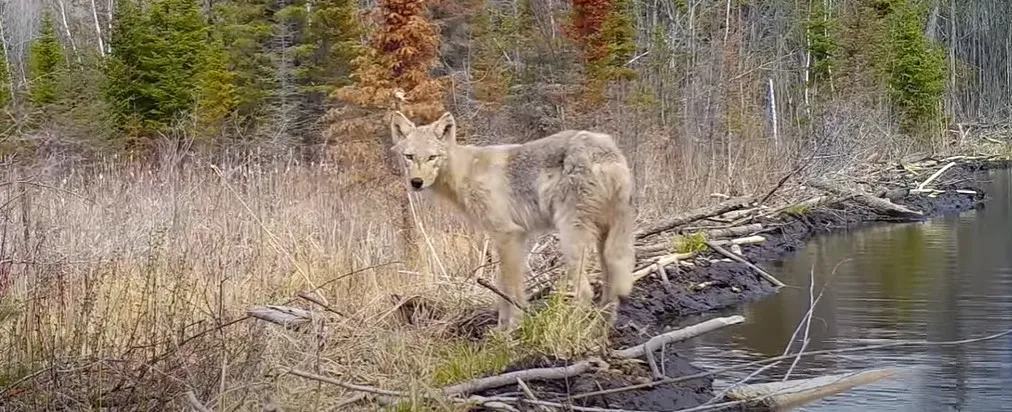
(409,157)
(431,158)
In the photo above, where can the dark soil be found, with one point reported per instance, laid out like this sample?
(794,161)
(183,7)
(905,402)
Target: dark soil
(655,307)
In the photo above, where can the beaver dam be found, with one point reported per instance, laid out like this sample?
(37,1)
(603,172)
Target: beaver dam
(735,310)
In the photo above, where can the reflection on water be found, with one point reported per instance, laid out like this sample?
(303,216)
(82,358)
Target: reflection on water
(947,279)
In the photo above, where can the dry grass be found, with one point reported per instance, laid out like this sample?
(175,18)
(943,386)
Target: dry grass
(124,279)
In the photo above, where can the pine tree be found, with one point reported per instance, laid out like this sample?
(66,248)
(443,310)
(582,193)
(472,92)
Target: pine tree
(217,96)
(45,63)
(331,38)
(153,71)
(246,30)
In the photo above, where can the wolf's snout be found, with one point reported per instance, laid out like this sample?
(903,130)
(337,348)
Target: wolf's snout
(416,183)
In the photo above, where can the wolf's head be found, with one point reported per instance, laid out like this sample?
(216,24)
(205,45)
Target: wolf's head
(423,148)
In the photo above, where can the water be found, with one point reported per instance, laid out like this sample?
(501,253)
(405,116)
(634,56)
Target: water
(946,279)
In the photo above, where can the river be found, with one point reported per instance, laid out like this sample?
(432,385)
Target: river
(949,278)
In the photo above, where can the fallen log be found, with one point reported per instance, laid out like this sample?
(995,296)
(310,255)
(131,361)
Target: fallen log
(881,206)
(789,394)
(737,231)
(287,317)
(681,219)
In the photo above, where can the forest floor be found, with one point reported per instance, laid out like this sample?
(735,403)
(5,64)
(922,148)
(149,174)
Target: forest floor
(655,306)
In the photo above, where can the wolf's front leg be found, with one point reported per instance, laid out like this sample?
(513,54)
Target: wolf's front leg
(511,277)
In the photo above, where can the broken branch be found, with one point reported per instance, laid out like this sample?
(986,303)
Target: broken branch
(679,335)
(934,176)
(679,220)
(737,258)
(527,375)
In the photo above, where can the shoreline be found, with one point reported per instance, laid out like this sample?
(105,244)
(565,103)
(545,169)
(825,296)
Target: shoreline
(655,305)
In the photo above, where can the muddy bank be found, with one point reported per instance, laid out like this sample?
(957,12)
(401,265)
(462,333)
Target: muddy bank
(655,307)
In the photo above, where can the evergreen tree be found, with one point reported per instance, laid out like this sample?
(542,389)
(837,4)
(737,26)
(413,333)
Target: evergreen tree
(246,30)
(331,38)
(153,71)
(45,63)
(604,32)
(217,96)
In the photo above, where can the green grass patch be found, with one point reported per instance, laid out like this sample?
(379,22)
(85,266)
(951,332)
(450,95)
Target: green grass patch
(559,329)
(692,243)
(798,210)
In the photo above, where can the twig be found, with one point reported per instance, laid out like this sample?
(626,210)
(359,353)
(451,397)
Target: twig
(807,318)
(191,398)
(787,177)
(311,298)
(349,386)
(807,321)
(735,257)
(784,357)
(494,289)
(529,393)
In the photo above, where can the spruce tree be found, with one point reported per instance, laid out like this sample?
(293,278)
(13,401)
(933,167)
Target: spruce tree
(153,71)
(246,30)
(217,96)
(45,63)
(331,38)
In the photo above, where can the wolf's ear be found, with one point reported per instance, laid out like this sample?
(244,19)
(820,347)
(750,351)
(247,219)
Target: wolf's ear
(446,128)
(400,126)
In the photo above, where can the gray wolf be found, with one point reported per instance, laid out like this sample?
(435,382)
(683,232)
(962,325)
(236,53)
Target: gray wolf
(576,183)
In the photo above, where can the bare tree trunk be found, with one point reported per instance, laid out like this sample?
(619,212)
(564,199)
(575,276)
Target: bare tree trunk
(931,29)
(7,62)
(98,29)
(66,28)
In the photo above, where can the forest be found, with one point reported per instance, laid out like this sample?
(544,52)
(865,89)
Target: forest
(168,164)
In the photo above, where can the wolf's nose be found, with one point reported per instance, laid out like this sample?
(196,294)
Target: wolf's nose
(416,183)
